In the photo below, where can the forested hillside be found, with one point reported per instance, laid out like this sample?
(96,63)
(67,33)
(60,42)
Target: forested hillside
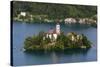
(51,12)
(54,10)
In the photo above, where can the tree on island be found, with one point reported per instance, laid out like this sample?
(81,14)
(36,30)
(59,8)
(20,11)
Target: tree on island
(63,42)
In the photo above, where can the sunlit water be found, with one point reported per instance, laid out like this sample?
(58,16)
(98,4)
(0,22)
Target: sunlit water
(23,30)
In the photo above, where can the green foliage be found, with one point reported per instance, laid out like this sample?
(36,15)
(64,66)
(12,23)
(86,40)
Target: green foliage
(54,11)
(62,42)
(85,41)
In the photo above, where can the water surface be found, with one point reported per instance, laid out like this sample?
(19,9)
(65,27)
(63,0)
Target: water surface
(23,30)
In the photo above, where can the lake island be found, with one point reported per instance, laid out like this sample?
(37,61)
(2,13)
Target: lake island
(51,33)
(55,40)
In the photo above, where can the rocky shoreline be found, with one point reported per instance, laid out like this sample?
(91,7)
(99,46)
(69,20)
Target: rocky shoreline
(42,19)
(66,20)
(80,20)
(28,18)
(87,21)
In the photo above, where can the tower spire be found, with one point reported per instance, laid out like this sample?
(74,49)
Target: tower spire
(58,28)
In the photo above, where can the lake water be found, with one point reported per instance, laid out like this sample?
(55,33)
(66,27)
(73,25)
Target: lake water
(23,30)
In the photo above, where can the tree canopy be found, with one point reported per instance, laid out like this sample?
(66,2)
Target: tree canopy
(63,42)
(53,10)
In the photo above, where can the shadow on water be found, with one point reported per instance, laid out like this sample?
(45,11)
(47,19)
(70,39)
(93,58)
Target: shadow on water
(58,53)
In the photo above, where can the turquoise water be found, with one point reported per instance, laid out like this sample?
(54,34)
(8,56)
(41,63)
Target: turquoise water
(23,30)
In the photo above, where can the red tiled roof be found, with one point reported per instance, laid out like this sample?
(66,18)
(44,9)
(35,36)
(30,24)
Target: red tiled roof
(52,31)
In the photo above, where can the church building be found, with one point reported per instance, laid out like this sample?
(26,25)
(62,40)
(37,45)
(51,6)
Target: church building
(53,33)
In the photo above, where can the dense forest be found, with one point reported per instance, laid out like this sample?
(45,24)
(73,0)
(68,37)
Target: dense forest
(54,11)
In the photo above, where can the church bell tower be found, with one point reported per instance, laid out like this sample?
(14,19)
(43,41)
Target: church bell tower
(58,28)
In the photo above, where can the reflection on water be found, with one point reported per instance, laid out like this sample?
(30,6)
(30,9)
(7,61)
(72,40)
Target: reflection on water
(56,55)
(60,52)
